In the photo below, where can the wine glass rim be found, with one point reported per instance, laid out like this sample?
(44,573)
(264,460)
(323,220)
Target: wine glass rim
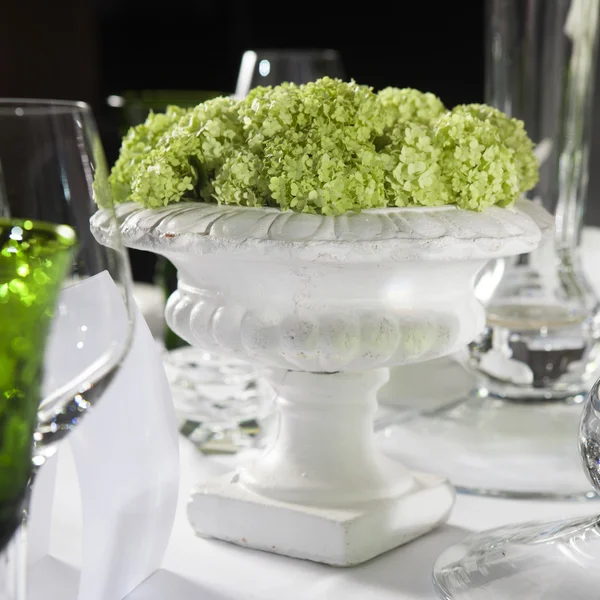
(41,106)
(293,51)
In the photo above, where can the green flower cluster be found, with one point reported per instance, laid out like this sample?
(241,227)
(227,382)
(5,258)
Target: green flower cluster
(138,142)
(408,105)
(327,147)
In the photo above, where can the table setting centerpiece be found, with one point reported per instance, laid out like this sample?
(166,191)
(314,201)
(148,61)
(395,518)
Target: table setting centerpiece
(325,232)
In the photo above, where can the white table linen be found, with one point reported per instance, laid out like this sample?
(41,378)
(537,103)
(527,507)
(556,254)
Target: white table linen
(203,569)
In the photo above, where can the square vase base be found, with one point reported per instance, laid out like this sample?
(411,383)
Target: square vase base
(223,509)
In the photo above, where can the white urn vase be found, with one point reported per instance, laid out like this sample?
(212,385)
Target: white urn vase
(325,305)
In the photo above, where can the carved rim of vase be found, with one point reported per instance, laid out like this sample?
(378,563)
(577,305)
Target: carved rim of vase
(388,234)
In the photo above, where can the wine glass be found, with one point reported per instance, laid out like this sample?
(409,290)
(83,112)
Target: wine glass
(552,560)
(64,299)
(275,66)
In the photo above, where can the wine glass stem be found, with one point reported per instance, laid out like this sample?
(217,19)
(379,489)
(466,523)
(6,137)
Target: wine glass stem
(13,567)
(13,559)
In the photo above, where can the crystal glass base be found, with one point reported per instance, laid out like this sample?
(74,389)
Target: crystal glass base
(497,448)
(219,402)
(549,561)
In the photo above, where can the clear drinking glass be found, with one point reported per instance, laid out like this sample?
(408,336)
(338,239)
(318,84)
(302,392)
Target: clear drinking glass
(512,434)
(53,176)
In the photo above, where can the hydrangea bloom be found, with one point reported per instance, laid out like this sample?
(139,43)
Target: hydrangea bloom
(138,142)
(327,147)
(513,135)
(184,159)
(409,105)
(414,175)
(241,180)
(316,144)
(480,168)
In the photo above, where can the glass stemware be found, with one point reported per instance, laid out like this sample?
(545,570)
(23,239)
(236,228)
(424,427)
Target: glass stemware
(538,355)
(274,66)
(542,337)
(64,299)
(554,560)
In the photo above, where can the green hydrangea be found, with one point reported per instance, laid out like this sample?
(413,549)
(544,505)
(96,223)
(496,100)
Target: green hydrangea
(513,135)
(479,167)
(184,159)
(316,145)
(138,142)
(409,105)
(327,147)
(241,180)
(413,172)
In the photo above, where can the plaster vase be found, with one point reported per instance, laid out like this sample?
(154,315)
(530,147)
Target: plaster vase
(325,305)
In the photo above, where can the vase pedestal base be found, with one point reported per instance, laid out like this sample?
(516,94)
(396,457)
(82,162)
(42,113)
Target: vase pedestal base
(224,509)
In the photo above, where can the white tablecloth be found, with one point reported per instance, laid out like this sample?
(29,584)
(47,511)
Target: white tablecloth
(200,569)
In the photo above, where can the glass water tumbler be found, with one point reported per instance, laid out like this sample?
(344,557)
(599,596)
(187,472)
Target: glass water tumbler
(541,339)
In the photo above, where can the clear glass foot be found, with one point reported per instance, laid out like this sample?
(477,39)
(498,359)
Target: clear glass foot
(549,561)
(220,402)
(494,447)
(553,561)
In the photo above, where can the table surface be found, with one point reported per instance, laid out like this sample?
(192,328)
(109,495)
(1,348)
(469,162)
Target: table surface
(201,569)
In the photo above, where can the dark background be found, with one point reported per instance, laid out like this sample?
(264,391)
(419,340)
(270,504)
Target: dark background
(90,49)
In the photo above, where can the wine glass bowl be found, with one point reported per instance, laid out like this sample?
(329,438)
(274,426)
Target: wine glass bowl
(264,67)
(64,298)
(54,170)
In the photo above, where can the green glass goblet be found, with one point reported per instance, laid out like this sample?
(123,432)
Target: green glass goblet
(34,259)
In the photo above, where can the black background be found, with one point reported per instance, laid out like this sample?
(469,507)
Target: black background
(90,49)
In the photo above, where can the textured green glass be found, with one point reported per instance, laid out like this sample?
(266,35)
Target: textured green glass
(34,259)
